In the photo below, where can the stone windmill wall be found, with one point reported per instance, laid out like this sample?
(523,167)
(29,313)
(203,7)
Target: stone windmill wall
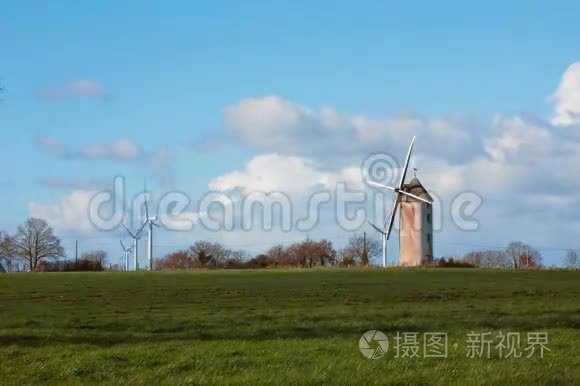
(415,226)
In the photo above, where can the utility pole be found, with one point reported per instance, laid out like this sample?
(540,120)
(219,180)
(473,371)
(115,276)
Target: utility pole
(76,252)
(365,251)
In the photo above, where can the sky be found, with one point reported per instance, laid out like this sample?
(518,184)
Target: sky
(240,97)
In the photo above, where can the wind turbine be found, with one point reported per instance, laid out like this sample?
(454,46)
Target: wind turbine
(126,251)
(135,236)
(388,226)
(150,221)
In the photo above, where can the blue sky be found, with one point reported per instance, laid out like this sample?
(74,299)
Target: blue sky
(162,76)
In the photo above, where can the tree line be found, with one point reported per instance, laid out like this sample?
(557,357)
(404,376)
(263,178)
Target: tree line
(36,247)
(516,255)
(360,251)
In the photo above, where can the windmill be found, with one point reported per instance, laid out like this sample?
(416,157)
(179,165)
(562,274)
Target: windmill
(135,236)
(126,251)
(413,213)
(150,222)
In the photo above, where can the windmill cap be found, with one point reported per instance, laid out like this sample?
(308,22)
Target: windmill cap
(415,187)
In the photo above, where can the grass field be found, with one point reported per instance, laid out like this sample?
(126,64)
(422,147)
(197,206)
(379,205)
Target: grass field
(277,326)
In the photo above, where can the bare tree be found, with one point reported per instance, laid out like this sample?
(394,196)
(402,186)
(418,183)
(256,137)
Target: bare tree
(523,255)
(514,250)
(325,252)
(236,259)
(346,257)
(532,258)
(6,250)
(99,257)
(206,252)
(175,260)
(35,242)
(362,249)
(488,259)
(278,255)
(571,260)
(203,257)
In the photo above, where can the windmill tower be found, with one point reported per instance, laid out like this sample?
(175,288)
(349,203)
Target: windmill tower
(150,221)
(415,219)
(415,226)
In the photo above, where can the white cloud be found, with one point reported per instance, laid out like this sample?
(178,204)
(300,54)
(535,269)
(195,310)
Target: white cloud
(288,174)
(517,138)
(566,99)
(274,124)
(80,88)
(121,149)
(71,213)
(512,153)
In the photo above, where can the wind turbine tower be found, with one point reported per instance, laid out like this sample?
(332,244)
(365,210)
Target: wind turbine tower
(384,242)
(150,221)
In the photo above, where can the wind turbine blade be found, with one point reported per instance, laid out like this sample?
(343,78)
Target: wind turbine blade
(123,245)
(146,204)
(377,228)
(415,197)
(127,229)
(406,167)
(138,234)
(146,209)
(389,227)
(376,184)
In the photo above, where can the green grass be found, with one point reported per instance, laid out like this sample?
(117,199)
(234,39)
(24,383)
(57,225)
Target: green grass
(279,326)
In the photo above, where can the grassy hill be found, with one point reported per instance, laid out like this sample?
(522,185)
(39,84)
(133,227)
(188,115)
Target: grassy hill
(281,326)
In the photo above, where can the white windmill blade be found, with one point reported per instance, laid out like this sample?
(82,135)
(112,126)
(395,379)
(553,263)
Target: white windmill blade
(415,197)
(123,246)
(404,173)
(377,228)
(146,204)
(138,234)
(389,226)
(146,209)
(127,229)
(376,184)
